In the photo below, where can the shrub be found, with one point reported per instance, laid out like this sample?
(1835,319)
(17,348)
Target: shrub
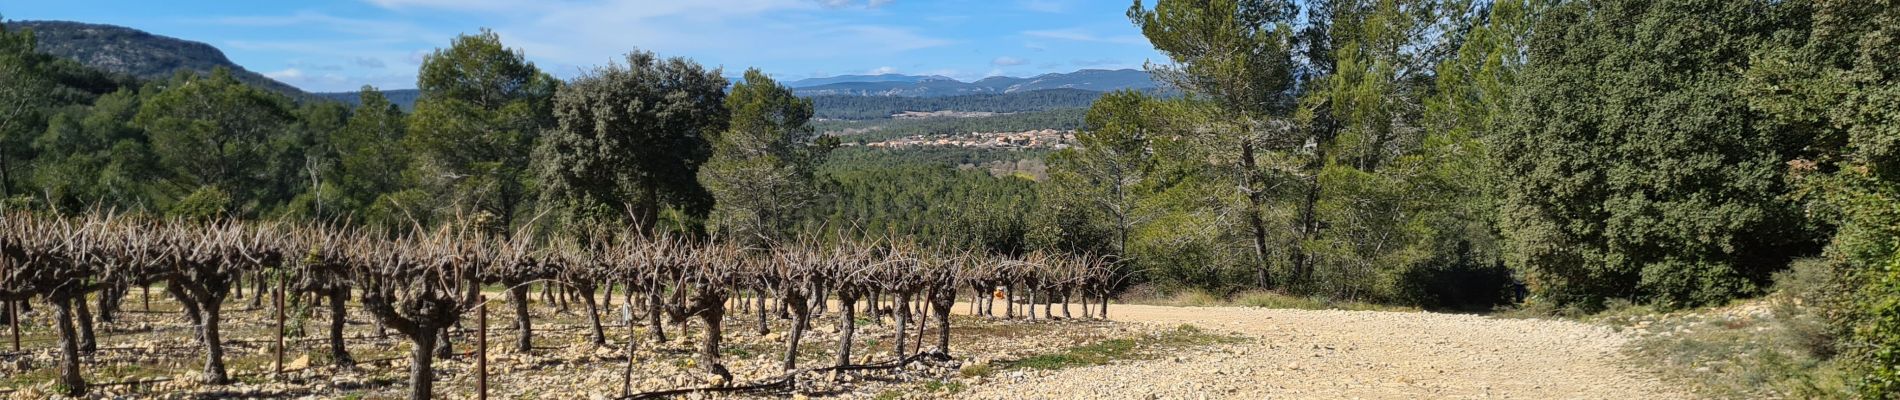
(206,203)
(1459,282)
(1878,330)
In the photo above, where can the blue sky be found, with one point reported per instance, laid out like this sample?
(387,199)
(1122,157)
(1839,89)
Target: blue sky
(340,45)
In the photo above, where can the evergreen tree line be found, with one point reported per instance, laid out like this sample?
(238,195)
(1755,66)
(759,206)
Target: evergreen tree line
(1445,153)
(652,143)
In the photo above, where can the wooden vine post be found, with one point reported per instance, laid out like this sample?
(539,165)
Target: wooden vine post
(626,384)
(278,298)
(481,350)
(13,322)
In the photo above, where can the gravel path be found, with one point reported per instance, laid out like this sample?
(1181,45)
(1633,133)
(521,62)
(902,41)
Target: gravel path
(1356,354)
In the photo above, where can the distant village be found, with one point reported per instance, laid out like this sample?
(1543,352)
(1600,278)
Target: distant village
(1037,139)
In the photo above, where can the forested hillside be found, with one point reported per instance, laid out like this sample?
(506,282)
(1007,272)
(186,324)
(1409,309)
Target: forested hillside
(142,55)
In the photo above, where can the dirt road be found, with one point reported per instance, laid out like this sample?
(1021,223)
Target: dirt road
(1357,354)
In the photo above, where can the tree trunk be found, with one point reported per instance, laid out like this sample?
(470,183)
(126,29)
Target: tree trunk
(1029,296)
(942,306)
(1087,313)
(1009,302)
(847,325)
(518,295)
(108,300)
(607,299)
(1065,304)
(801,316)
(72,384)
(871,308)
(922,314)
(190,306)
(654,309)
(257,291)
(88,343)
(1049,304)
(821,302)
(593,314)
(444,349)
(421,369)
(903,322)
(764,329)
(340,356)
(713,315)
(214,343)
(1256,222)
(976,301)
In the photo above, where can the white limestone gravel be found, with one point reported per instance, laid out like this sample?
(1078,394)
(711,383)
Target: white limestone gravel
(1301,354)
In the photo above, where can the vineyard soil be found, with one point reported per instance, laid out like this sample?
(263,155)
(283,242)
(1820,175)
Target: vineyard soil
(1255,353)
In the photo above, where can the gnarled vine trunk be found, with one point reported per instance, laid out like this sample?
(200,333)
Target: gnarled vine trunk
(72,384)
(339,296)
(847,324)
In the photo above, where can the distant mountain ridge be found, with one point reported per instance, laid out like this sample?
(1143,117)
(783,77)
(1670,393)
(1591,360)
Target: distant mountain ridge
(1068,86)
(147,56)
(141,54)
(881,78)
(936,86)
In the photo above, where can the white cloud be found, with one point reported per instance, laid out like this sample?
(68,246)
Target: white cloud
(881,71)
(352,26)
(1007,61)
(453,5)
(1079,35)
(596,31)
(563,35)
(307,64)
(286,74)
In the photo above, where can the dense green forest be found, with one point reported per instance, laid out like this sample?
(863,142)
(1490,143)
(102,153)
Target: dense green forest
(1438,153)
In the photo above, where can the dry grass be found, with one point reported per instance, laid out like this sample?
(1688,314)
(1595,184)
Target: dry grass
(1262,299)
(1130,348)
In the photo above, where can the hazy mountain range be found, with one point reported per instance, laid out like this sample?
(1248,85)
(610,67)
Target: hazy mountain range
(147,56)
(932,86)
